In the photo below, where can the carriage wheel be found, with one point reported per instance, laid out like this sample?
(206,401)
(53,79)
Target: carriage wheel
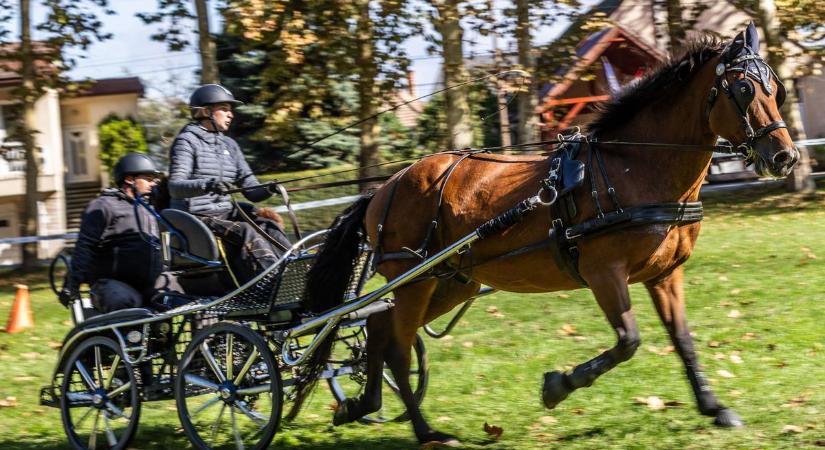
(228,389)
(99,399)
(348,366)
(58,272)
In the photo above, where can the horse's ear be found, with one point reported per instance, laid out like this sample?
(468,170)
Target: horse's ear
(752,38)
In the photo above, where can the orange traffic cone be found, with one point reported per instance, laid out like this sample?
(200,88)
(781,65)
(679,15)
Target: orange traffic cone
(21,312)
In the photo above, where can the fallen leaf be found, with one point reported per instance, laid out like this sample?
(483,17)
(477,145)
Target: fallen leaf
(25,378)
(31,355)
(498,315)
(748,336)
(713,344)
(491,309)
(564,296)
(725,303)
(467,344)
(734,313)
(577,411)
(548,420)
(333,405)
(54,345)
(792,429)
(736,291)
(725,374)
(8,402)
(493,430)
(443,419)
(736,359)
(723,278)
(796,402)
(719,356)
(567,329)
(652,402)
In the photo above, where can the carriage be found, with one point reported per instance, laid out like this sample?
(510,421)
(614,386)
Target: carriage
(229,360)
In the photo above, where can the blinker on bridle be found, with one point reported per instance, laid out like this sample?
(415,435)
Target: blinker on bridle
(751,65)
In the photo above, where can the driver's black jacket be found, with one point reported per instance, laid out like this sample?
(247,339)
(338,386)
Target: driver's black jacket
(110,244)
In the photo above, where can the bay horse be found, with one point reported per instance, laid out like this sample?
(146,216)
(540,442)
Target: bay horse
(715,89)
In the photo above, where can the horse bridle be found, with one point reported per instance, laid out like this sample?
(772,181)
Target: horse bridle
(743,92)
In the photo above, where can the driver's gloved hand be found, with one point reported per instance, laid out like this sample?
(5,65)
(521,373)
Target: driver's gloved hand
(68,294)
(219,187)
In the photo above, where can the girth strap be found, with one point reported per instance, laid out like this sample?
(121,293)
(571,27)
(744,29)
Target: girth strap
(676,213)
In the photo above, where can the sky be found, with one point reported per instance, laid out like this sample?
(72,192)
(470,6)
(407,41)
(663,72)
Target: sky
(131,52)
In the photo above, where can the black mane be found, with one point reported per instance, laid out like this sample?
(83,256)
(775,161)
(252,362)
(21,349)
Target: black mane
(659,85)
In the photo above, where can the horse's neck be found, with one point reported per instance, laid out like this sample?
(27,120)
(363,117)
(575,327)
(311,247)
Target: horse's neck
(663,173)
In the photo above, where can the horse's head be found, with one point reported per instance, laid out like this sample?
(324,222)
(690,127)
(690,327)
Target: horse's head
(746,112)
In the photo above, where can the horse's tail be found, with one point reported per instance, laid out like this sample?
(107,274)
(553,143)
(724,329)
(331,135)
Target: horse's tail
(330,275)
(327,282)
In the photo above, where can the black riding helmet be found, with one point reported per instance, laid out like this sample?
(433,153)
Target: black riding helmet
(210,94)
(133,164)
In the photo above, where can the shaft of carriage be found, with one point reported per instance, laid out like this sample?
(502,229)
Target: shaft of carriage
(369,303)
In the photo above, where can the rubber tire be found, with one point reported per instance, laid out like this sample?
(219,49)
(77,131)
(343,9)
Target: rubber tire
(266,354)
(135,395)
(420,351)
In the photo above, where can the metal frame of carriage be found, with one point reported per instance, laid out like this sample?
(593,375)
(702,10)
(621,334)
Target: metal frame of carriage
(240,350)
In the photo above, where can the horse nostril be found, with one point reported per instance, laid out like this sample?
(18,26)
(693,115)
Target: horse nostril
(782,157)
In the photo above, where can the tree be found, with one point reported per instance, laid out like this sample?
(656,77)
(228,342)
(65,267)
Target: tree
(118,137)
(298,65)
(447,22)
(175,14)
(69,24)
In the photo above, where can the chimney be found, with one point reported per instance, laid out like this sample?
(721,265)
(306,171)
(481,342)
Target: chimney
(411,83)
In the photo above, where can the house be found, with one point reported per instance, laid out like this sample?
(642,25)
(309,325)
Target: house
(70,173)
(643,25)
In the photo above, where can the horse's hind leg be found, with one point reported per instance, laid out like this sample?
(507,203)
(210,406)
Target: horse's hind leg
(379,332)
(669,299)
(610,290)
(411,306)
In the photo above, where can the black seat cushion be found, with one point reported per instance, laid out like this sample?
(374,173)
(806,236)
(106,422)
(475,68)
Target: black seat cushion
(198,238)
(122,315)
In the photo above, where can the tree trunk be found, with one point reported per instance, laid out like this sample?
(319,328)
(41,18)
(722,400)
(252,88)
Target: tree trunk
(368,71)
(448,24)
(206,46)
(800,179)
(29,96)
(528,119)
(675,27)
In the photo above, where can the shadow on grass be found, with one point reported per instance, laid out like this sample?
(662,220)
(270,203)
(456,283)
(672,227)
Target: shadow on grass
(163,437)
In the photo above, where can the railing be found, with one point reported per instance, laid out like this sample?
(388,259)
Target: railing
(12,158)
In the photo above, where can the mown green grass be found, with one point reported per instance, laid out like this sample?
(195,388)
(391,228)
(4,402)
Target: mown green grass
(755,303)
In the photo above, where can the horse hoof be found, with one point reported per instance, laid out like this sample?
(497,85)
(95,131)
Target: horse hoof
(440,440)
(554,389)
(728,418)
(342,414)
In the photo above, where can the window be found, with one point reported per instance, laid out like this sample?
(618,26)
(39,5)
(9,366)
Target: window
(10,116)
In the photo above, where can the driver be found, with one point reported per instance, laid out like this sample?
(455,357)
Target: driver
(204,165)
(112,254)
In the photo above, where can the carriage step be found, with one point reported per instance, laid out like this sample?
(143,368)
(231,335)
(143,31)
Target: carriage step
(376,307)
(47,397)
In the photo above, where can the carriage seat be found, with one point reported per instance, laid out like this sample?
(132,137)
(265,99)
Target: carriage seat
(190,237)
(198,239)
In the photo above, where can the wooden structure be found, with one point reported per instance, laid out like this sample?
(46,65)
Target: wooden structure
(608,59)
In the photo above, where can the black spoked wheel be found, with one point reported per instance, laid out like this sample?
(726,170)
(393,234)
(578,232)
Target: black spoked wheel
(99,399)
(228,389)
(58,272)
(347,375)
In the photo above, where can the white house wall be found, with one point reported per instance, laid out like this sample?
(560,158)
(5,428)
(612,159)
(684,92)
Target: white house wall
(88,112)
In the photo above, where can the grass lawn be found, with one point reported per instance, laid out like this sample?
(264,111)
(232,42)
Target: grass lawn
(755,303)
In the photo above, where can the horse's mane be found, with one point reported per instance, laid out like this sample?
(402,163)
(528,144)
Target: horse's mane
(659,85)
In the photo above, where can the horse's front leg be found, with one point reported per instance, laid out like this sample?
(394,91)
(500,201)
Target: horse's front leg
(669,298)
(610,290)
